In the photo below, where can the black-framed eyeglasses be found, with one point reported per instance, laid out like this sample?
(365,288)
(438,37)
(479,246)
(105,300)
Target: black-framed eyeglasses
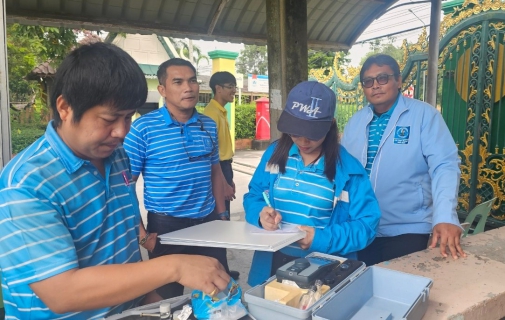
(381,79)
(229,87)
(201,156)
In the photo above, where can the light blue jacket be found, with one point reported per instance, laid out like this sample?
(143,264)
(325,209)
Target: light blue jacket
(353,222)
(415,174)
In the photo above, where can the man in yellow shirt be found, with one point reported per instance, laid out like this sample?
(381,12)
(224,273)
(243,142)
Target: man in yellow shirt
(224,87)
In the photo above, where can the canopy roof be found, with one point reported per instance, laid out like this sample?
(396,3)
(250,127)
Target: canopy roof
(332,24)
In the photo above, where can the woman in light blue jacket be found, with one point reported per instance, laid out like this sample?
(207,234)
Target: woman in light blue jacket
(313,182)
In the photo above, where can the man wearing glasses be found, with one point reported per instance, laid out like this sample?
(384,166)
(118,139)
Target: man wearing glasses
(413,164)
(224,87)
(176,150)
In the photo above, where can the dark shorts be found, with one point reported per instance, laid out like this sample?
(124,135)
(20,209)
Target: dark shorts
(387,248)
(161,224)
(228,175)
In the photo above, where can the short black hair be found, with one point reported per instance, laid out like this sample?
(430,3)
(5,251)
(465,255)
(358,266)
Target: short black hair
(162,69)
(380,60)
(220,78)
(97,74)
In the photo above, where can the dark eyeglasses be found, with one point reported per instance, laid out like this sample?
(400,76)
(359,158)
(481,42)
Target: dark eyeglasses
(229,87)
(381,79)
(202,156)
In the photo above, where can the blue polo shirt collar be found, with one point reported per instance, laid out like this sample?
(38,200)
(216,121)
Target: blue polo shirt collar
(70,161)
(170,121)
(316,167)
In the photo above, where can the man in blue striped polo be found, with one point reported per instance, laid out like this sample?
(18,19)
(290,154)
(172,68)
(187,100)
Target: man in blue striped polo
(69,217)
(176,150)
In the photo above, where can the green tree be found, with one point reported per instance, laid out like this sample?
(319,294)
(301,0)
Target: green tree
(27,47)
(253,59)
(320,59)
(324,59)
(22,54)
(187,50)
(385,46)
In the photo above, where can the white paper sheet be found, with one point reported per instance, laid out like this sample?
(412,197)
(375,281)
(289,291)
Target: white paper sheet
(285,228)
(230,234)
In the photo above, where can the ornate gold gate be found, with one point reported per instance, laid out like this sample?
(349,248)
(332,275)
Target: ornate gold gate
(472,59)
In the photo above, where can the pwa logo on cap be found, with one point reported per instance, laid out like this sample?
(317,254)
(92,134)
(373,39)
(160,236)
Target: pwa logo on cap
(402,134)
(310,111)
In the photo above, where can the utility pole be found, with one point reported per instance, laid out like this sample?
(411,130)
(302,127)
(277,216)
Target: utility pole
(5,125)
(436,9)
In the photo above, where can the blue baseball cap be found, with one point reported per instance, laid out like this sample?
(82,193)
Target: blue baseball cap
(309,111)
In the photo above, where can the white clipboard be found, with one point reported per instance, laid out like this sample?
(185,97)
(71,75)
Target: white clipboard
(231,235)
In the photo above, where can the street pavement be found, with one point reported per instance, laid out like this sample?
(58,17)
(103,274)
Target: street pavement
(244,164)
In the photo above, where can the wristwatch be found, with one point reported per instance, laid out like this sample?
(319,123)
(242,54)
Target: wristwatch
(225,214)
(144,239)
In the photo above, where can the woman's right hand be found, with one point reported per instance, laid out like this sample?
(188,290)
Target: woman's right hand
(270,218)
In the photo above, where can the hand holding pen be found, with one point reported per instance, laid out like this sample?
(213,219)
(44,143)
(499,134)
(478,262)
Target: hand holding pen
(270,219)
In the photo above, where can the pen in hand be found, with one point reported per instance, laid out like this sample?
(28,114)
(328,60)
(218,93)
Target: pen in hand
(265,196)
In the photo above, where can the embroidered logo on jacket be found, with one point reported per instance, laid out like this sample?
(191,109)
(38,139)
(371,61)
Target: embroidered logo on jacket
(402,134)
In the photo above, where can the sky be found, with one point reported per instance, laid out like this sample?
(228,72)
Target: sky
(402,18)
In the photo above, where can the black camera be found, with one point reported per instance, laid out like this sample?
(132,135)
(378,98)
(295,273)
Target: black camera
(305,271)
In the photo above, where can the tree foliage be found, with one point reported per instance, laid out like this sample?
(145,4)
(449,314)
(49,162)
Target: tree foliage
(23,56)
(27,47)
(324,59)
(253,59)
(320,59)
(189,51)
(55,42)
(385,46)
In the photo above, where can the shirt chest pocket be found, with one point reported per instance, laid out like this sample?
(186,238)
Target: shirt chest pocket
(342,205)
(126,193)
(200,145)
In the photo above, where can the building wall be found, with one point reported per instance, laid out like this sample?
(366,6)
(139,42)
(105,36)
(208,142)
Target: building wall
(144,49)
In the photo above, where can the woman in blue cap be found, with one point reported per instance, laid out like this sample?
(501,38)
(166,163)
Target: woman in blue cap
(310,181)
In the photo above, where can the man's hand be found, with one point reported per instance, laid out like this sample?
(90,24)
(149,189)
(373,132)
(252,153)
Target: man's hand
(270,218)
(229,192)
(306,242)
(150,242)
(201,273)
(448,235)
(100,286)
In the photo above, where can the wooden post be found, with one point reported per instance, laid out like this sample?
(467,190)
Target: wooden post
(287,53)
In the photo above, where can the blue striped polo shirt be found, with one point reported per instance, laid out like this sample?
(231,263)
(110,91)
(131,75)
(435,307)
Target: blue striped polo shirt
(375,132)
(303,195)
(57,213)
(175,161)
